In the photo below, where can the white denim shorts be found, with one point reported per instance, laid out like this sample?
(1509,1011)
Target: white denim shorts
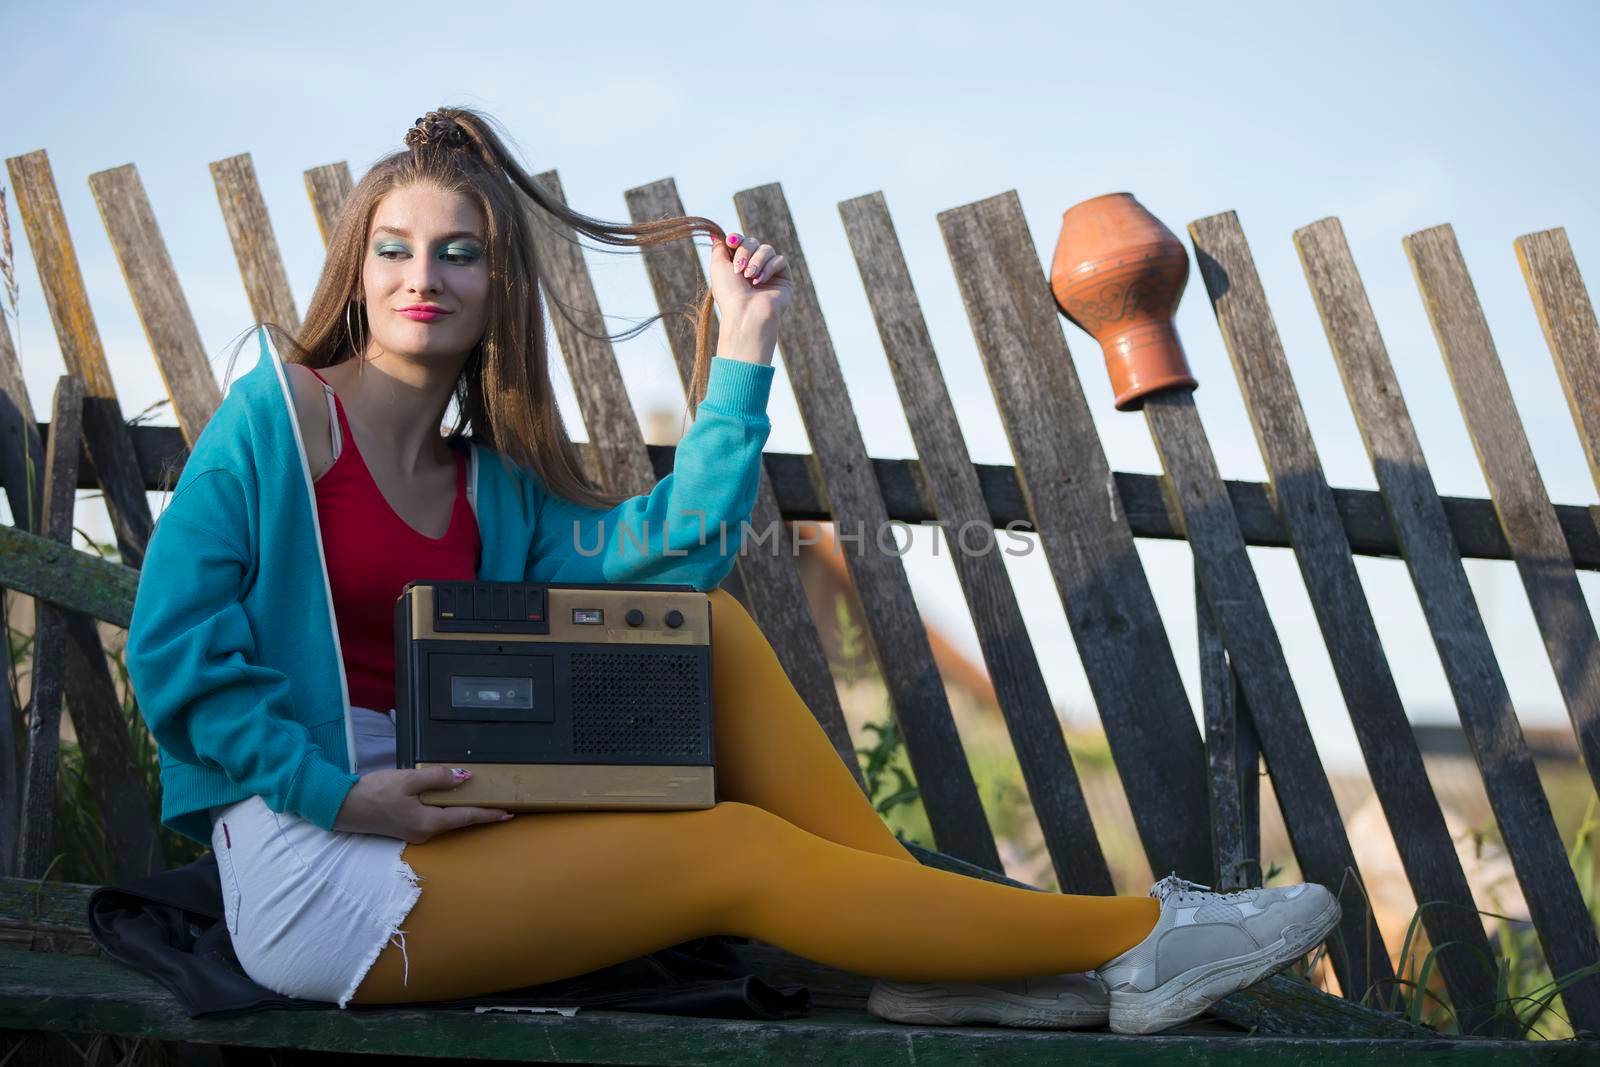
(309,910)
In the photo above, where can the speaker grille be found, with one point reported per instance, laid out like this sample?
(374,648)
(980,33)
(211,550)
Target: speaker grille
(639,704)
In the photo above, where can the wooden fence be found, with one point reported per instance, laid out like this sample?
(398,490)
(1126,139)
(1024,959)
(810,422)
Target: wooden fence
(1192,793)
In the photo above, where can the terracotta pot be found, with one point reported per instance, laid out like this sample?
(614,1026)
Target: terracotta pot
(1118,273)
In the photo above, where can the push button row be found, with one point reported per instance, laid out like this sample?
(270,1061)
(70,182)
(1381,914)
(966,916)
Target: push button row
(484,603)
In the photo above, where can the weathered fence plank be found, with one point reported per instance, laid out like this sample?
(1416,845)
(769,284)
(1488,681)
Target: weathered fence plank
(1488,718)
(328,187)
(772,586)
(255,246)
(116,781)
(1568,320)
(37,838)
(615,436)
(1470,521)
(1304,501)
(1233,759)
(104,430)
(117,784)
(47,569)
(1316,830)
(22,478)
(1515,486)
(1030,717)
(1569,325)
(13,745)
(893,624)
(591,360)
(157,297)
(1073,503)
(21,446)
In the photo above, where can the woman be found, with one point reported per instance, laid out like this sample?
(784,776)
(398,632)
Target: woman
(261,650)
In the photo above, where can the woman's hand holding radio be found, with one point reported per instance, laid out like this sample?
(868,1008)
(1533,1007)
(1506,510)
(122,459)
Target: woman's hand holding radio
(386,802)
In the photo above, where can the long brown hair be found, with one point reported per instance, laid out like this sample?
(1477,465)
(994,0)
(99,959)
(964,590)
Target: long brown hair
(504,392)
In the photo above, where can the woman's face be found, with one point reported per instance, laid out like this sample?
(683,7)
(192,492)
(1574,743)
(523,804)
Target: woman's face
(425,249)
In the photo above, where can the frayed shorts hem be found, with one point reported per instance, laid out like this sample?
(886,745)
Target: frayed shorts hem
(310,910)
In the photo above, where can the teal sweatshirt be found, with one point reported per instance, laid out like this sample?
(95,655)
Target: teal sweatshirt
(233,649)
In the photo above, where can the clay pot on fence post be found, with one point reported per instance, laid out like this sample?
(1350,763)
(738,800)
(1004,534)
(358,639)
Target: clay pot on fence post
(1118,273)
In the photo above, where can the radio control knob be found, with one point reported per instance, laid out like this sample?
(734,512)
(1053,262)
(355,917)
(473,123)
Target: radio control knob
(674,618)
(635,617)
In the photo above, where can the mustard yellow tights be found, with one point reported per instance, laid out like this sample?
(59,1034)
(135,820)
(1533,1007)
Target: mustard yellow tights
(793,855)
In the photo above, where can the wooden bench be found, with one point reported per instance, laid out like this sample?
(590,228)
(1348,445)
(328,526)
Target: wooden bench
(1192,793)
(55,980)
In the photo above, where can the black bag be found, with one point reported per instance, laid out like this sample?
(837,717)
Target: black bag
(169,926)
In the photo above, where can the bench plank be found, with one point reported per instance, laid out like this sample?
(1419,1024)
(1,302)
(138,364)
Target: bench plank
(1300,490)
(42,991)
(52,916)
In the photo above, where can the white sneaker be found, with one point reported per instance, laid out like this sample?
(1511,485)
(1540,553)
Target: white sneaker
(1056,1002)
(1207,945)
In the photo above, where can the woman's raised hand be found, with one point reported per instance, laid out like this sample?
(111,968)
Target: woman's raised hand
(386,802)
(751,286)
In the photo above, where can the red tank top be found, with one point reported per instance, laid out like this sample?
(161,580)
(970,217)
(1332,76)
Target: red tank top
(372,553)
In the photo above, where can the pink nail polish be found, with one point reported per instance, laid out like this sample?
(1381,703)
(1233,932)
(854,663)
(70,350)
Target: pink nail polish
(733,240)
(738,264)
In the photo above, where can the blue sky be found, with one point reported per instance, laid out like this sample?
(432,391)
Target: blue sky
(1393,117)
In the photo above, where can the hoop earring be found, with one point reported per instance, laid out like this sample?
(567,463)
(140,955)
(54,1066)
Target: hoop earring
(356,347)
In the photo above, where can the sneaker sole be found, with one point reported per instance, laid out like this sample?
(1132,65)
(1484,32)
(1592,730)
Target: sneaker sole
(927,1007)
(1186,995)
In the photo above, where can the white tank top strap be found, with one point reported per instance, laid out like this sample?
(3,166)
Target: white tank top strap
(333,421)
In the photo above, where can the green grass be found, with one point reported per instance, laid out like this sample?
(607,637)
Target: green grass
(1527,998)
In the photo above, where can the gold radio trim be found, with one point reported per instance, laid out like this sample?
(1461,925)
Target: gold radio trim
(696,628)
(577,787)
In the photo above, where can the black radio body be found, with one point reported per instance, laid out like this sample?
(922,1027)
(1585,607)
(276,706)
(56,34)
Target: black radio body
(557,696)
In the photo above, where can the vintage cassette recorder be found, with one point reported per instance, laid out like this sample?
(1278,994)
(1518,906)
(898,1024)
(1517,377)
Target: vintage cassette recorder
(557,696)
